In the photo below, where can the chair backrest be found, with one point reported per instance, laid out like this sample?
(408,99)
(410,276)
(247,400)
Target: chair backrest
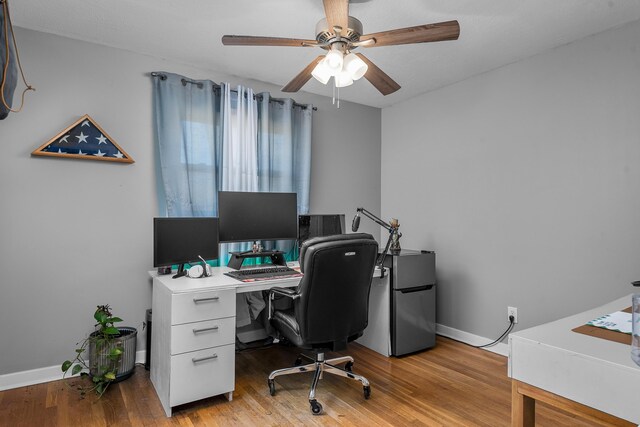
(334,292)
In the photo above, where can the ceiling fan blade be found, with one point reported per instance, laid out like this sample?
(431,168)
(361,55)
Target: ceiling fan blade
(337,12)
(265,41)
(379,78)
(440,31)
(303,77)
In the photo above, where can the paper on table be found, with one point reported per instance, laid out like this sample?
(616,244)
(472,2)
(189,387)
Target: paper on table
(618,321)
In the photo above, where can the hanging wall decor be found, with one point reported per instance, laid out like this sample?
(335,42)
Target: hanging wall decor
(9,65)
(86,140)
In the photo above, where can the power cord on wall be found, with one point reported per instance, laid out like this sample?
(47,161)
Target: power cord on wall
(501,337)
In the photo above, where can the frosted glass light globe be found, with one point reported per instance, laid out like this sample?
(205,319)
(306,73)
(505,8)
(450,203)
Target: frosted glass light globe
(355,66)
(333,61)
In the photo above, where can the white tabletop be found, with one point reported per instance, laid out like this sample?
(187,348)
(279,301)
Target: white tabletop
(218,280)
(586,369)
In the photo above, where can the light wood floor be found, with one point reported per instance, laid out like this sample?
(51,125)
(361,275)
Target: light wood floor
(450,385)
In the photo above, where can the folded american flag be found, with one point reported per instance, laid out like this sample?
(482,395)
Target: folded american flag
(84,139)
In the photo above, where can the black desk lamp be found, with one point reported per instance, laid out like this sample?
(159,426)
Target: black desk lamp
(393,243)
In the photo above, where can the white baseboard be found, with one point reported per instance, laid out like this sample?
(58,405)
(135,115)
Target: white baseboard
(53,373)
(44,375)
(471,339)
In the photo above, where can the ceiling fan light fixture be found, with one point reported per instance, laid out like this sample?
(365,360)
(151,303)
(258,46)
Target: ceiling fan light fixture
(343,79)
(355,66)
(333,61)
(338,33)
(321,72)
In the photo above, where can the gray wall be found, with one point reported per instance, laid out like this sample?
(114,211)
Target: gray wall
(526,182)
(77,233)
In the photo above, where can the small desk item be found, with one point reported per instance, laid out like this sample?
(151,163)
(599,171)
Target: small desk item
(237,258)
(606,334)
(193,335)
(587,376)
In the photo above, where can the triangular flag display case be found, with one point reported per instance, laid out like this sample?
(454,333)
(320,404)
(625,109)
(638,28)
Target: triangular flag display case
(84,139)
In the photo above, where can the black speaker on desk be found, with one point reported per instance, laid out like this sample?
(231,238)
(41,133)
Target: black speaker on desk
(147,361)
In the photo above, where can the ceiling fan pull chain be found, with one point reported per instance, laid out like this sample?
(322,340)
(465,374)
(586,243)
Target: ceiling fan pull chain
(336,94)
(333,100)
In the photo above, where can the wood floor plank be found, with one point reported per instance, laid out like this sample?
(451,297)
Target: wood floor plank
(452,384)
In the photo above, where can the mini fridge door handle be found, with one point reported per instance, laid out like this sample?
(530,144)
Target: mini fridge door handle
(415,289)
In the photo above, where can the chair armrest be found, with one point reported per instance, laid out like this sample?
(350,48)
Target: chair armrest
(285,292)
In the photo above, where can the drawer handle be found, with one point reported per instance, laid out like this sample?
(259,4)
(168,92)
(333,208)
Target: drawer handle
(202,359)
(197,300)
(213,328)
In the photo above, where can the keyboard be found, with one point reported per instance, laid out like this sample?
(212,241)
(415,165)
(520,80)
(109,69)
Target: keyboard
(263,273)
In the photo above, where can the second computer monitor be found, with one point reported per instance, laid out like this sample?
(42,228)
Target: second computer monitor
(184,240)
(250,216)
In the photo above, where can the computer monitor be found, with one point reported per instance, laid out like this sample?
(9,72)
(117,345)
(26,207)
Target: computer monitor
(249,216)
(310,226)
(184,240)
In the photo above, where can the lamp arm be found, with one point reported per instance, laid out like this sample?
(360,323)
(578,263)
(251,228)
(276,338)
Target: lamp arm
(374,218)
(383,255)
(387,226)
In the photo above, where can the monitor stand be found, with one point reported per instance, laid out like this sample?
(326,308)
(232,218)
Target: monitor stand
(181,272)
(237,258)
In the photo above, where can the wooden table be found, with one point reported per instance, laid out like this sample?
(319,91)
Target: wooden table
(591,377)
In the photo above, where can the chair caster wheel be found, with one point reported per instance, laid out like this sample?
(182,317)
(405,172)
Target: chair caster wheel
(272,387)
(348,366)
(316,407)
(367,391)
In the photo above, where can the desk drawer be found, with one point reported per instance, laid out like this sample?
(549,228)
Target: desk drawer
(199,335)
(202,373)
(197,306)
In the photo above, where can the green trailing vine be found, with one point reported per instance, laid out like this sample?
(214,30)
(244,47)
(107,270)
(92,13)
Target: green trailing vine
(101,370)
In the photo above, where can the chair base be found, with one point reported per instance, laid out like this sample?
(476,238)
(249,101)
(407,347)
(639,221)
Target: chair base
(320,366)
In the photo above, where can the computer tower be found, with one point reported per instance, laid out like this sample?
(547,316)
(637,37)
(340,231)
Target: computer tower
(310,226)
(147,361)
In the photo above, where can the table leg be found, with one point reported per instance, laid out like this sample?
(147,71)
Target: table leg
(523,404)
(523,408)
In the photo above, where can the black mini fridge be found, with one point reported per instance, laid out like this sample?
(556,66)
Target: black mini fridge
(413,301)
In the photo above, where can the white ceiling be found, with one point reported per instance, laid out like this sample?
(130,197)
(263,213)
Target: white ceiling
(492,33)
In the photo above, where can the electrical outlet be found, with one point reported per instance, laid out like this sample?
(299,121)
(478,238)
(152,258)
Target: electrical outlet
(512,311)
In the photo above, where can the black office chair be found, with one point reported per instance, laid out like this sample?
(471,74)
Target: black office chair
(330,306)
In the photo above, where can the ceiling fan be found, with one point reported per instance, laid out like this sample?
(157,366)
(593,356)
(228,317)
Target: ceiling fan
(340,34)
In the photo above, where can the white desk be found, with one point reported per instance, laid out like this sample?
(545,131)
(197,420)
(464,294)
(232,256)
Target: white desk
(552,363)
(193,335)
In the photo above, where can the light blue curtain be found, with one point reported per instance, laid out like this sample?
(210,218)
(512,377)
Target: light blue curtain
(213,138)
(284,148)
(187,127)
(284,154)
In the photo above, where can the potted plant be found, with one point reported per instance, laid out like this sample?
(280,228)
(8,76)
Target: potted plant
(111,353)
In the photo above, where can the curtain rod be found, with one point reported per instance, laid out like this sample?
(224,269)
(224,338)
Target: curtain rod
(217,87)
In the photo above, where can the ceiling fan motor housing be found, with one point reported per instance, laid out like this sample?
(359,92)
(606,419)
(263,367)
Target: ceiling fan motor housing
(326,35)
